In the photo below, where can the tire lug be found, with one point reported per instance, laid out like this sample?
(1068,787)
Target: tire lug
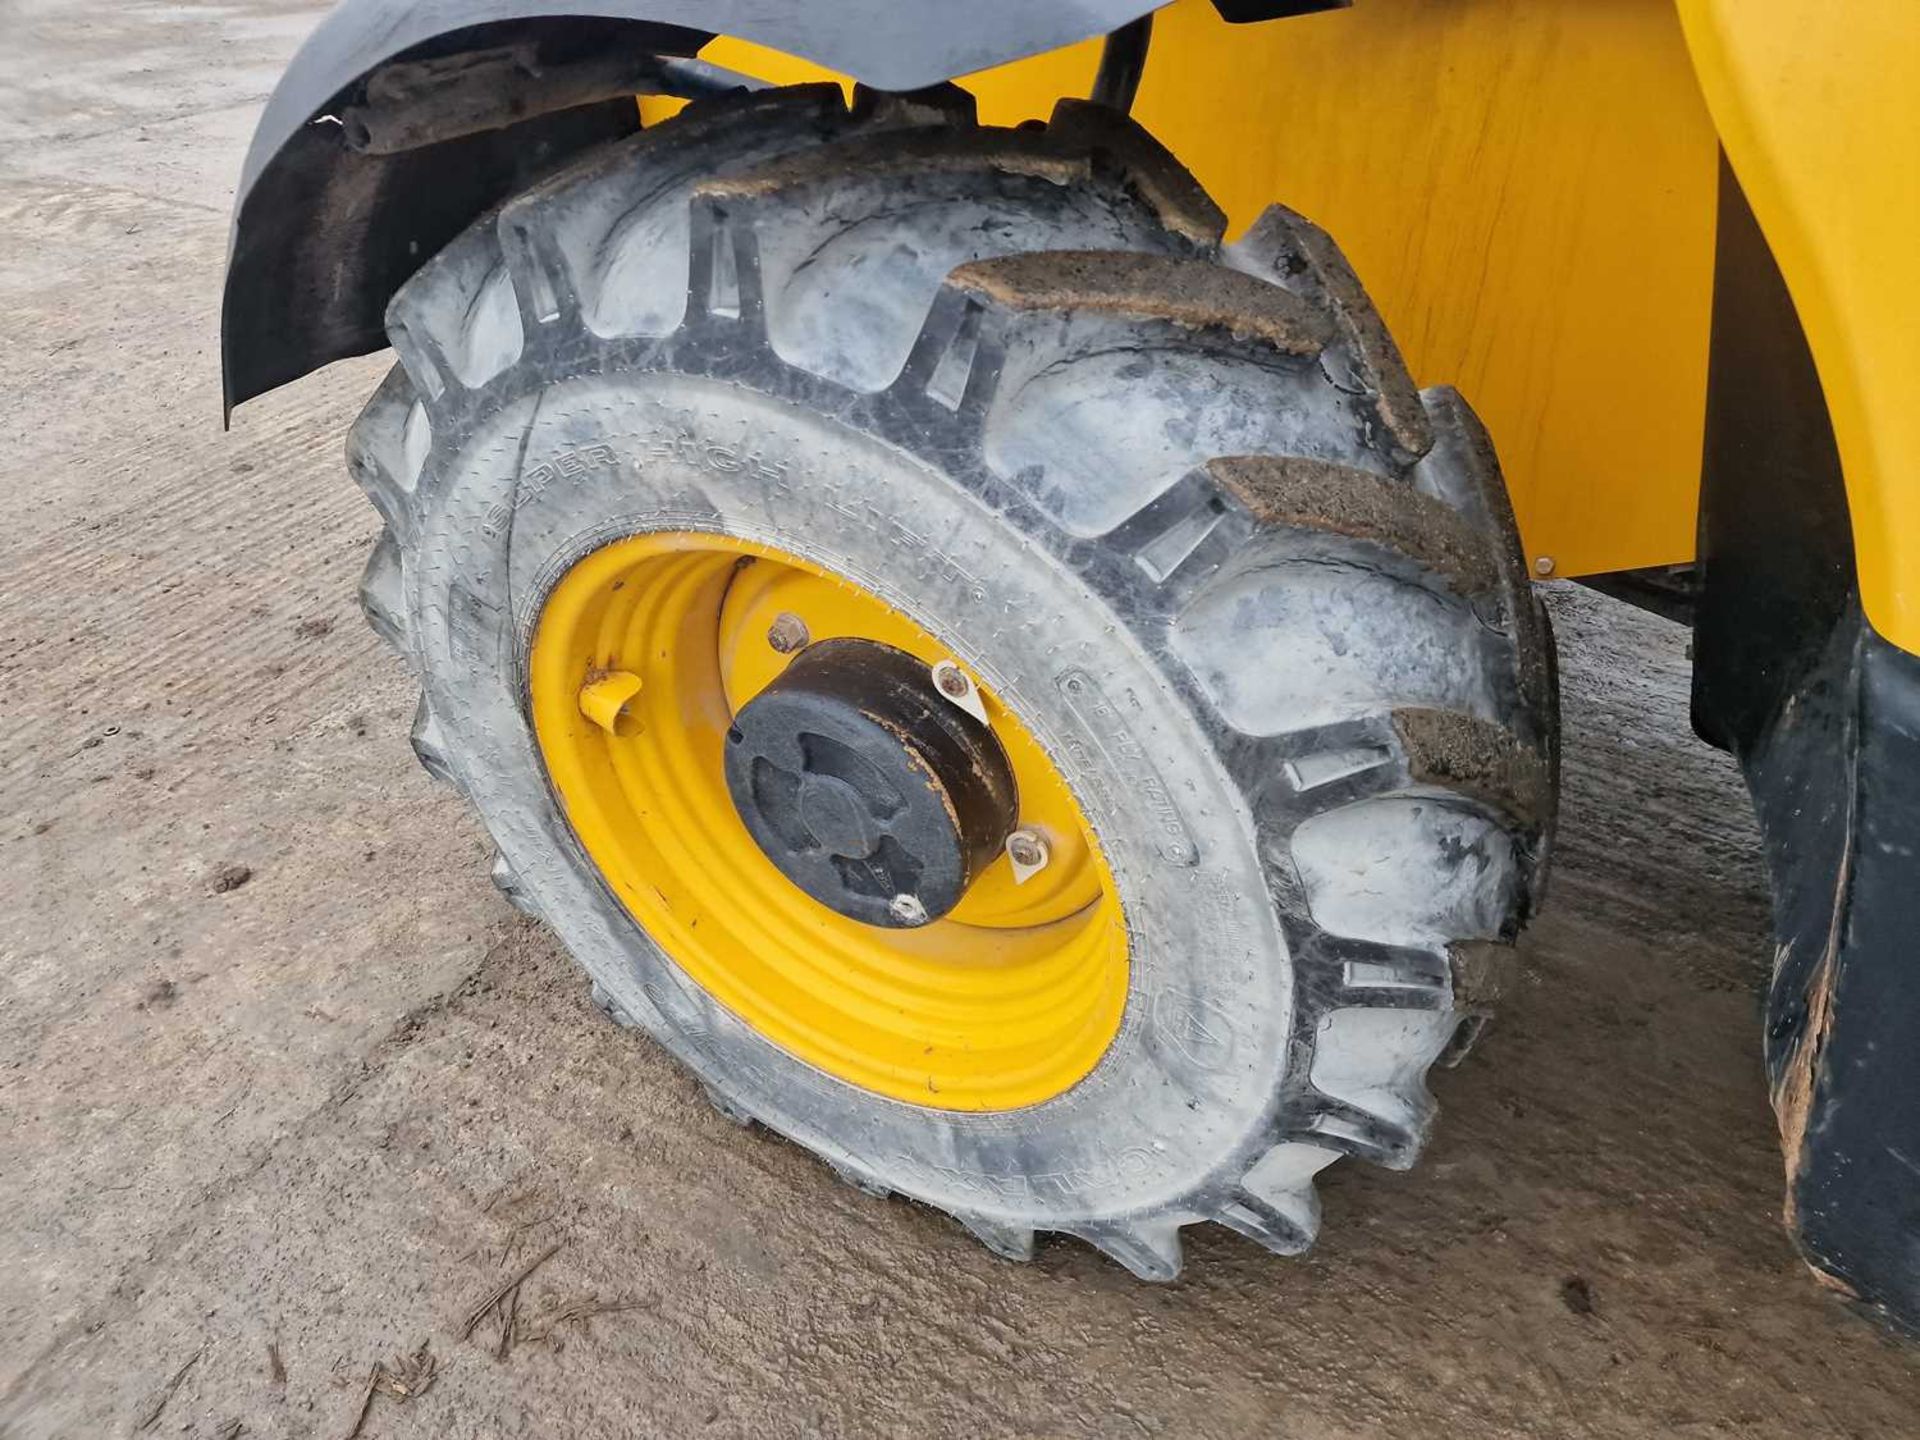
(866,1186)
(729,1109)
(604,1002)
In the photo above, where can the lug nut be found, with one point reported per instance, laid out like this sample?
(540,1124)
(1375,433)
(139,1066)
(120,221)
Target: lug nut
(956,685)
(908,910)
(787,633)
(1027,853)
(1026,848)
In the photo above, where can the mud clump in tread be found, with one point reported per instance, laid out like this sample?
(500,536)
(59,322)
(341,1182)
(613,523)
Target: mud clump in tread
(913,153)
(1188,293)
(1478,759)
(1286,490)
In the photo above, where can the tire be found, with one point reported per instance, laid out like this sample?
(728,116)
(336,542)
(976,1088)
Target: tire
(1178,501)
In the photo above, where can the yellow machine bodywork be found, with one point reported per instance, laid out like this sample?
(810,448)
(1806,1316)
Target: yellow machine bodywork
(1819,111)
(1528,188)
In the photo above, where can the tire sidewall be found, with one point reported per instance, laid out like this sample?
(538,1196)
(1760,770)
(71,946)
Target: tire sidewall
(529,483)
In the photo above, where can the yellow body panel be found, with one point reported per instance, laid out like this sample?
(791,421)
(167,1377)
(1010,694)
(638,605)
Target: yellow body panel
(1819,109)
(1527,187)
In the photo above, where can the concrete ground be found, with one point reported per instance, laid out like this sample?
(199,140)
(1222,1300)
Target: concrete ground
(287,1091)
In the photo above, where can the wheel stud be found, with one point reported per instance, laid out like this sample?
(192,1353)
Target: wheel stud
(1027,853)
(607,699)
(787,633)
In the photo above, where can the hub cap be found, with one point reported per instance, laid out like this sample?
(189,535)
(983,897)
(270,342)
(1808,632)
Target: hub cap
(875,795)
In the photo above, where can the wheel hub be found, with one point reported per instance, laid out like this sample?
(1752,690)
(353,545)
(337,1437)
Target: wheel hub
(875,795)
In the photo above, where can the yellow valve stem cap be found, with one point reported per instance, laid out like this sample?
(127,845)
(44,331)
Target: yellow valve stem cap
(606,701)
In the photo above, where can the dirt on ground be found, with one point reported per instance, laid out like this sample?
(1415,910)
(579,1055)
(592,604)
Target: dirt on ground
(303,1132)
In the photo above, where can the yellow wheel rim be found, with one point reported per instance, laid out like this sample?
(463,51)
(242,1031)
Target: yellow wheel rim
(643,653)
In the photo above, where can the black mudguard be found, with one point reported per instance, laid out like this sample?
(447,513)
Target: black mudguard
(1824,716)
(324,232)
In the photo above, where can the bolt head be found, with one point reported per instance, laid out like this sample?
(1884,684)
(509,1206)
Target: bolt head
(1544,565)
(787,633)
(908,910)
(953,682)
